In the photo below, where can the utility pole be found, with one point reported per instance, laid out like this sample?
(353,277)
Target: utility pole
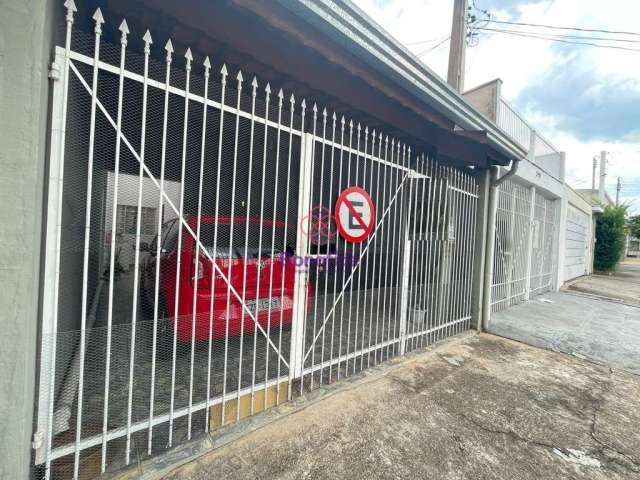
(603,176)
(593,176)
(618,188)
(457,50)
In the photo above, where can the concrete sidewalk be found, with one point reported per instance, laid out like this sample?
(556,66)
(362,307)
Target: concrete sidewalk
(622,285)
(590,327)
(479,407)
(596,317)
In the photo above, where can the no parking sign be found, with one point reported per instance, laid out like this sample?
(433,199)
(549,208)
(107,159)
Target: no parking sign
(355,214)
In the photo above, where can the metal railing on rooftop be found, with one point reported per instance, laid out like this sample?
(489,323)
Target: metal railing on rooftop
(541,152)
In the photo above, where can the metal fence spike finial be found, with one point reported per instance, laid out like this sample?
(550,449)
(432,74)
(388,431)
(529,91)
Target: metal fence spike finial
(147,37)
(292,99)
(99,19)
(366,130)
(147,42)
(224,72)
(324,112)
(304,103)
(268,89)
(315,107)
(124,28)
(280,94)
(239,77)
(254,83)
(351,123)
(334,117)
(342,120)
(188,55)
(207,65)
(169,48)
(71,8)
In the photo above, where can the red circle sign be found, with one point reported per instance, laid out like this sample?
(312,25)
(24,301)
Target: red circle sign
(355,214)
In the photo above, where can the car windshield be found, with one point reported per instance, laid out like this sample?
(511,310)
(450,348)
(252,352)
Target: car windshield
(253,245)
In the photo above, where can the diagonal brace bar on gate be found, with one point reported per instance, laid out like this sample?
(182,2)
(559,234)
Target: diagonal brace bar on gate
(173,207)
(355,269)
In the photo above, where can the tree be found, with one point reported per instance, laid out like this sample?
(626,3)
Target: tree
(634,226)
(610,237)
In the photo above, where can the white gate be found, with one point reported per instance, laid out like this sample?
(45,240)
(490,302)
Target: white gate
(194,274)
(512,247)
(544,245)
(409,283)
(525,252)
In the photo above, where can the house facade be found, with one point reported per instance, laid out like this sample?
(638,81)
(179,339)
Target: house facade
(226,205)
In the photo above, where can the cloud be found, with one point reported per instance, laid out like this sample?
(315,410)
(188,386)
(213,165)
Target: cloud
(588,107)
(583,99)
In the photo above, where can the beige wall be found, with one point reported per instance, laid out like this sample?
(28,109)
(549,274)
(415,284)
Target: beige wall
(485,98)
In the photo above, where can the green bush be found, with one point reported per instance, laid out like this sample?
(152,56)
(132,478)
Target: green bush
(634,226)
(610,237)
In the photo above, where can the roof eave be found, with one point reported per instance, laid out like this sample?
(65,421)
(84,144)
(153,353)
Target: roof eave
(353,29)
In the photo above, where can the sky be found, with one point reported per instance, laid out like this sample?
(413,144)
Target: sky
(583,99)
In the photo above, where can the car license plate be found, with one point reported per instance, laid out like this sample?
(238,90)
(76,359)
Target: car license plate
(264,304)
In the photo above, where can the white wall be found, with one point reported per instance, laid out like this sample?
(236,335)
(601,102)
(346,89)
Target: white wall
(128,195)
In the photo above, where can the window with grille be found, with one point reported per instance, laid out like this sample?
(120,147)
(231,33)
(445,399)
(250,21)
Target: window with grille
(128,217)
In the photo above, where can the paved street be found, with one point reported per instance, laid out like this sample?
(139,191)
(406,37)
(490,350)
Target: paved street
(480,407)
(558,402)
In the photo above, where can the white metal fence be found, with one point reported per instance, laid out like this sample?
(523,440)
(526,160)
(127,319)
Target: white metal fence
(526,239)
(194,274)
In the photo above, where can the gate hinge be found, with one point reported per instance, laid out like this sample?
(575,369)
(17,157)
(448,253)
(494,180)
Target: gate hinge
(38,439)
(54,71)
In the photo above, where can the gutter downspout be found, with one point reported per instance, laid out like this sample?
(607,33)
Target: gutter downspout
(495,182)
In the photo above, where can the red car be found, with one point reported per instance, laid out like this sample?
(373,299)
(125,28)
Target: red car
(274,298)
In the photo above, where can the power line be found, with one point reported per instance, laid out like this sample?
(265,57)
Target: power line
(424,52)
(562,35)
(578,29)
(560,40)
(420,42)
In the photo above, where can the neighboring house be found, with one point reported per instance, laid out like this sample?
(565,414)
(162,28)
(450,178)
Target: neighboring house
(531,207)
(593,197)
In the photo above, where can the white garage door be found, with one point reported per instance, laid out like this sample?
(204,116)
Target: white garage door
(577,243)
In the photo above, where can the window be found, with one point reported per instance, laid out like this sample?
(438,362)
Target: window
(170,240)
(128,217)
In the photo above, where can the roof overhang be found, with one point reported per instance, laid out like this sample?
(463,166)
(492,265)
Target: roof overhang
(358,33)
